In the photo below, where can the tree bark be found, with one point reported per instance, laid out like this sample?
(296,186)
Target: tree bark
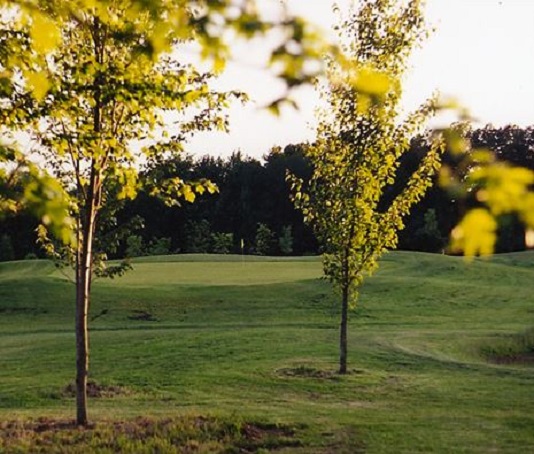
(345,290)
(343,331)
(84,263)
(83,289)
(82,353)
(84,269)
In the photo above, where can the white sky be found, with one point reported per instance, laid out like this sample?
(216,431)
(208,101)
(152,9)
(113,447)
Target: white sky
(482,53)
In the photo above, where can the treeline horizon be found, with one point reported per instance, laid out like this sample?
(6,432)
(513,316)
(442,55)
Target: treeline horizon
(252,212)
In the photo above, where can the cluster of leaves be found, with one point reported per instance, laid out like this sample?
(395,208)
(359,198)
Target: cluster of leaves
(494,187)
(296,58)
(23,186)
(359,144)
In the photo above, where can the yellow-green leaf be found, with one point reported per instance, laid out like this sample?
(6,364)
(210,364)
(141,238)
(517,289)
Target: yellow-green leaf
(44,33)
(476,233)
(188,194)
(38,84)
(372,82)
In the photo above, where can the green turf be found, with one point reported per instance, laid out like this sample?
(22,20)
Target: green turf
(255,339)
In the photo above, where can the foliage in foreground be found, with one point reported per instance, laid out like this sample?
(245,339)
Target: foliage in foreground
(497,190)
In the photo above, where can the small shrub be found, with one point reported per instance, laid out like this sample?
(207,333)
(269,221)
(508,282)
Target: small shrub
(264,240)
(159,246)
(222,242)
(198,237)
(285,241)
(135,246)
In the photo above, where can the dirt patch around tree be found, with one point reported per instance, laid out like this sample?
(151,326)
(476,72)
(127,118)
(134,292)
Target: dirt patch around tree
(312,372)
(96,390)
(520,358)
(307,372)
(142,316)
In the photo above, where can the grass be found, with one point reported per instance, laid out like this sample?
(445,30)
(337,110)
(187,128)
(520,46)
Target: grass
(146,435)
(253,343)
(518,347)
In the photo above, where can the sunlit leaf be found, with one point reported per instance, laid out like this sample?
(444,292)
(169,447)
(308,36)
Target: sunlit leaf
(475,234)
(372,82)
(39,84)
(44,33)
(188,194)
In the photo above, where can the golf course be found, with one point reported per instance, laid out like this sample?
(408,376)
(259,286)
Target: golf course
(221,353)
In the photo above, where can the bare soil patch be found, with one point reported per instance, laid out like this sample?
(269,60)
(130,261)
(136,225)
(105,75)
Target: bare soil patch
(308,372)
(520,358)
(142,316)
(312,372)
(96,390)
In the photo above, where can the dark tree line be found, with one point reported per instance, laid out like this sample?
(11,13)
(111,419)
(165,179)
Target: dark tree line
(253,214)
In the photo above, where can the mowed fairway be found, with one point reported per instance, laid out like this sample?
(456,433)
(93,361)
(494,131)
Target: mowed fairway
(255,339)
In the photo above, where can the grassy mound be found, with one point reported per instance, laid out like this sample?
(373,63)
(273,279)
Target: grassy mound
(255,339)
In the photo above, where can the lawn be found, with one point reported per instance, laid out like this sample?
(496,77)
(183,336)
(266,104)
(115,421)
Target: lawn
(248,347)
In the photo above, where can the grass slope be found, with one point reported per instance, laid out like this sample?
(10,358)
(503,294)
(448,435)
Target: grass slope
(255,339)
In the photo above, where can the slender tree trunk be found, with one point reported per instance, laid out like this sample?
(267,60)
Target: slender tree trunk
(83,289)
(84,268)
(82,350)
(84,265)
(345,286)
(343,330)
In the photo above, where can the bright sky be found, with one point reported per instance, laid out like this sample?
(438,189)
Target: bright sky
(482,53)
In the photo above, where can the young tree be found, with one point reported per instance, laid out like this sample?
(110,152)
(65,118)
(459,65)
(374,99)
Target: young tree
(101,93)
(85,78)
(135,246)
(285,241)
(222,242)
(263,242)
(198,237)
(159,246)
(357,151)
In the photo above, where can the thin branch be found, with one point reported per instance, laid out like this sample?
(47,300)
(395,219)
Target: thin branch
(75,163)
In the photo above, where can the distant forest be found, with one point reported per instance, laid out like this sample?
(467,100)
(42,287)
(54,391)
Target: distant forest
(252,213)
